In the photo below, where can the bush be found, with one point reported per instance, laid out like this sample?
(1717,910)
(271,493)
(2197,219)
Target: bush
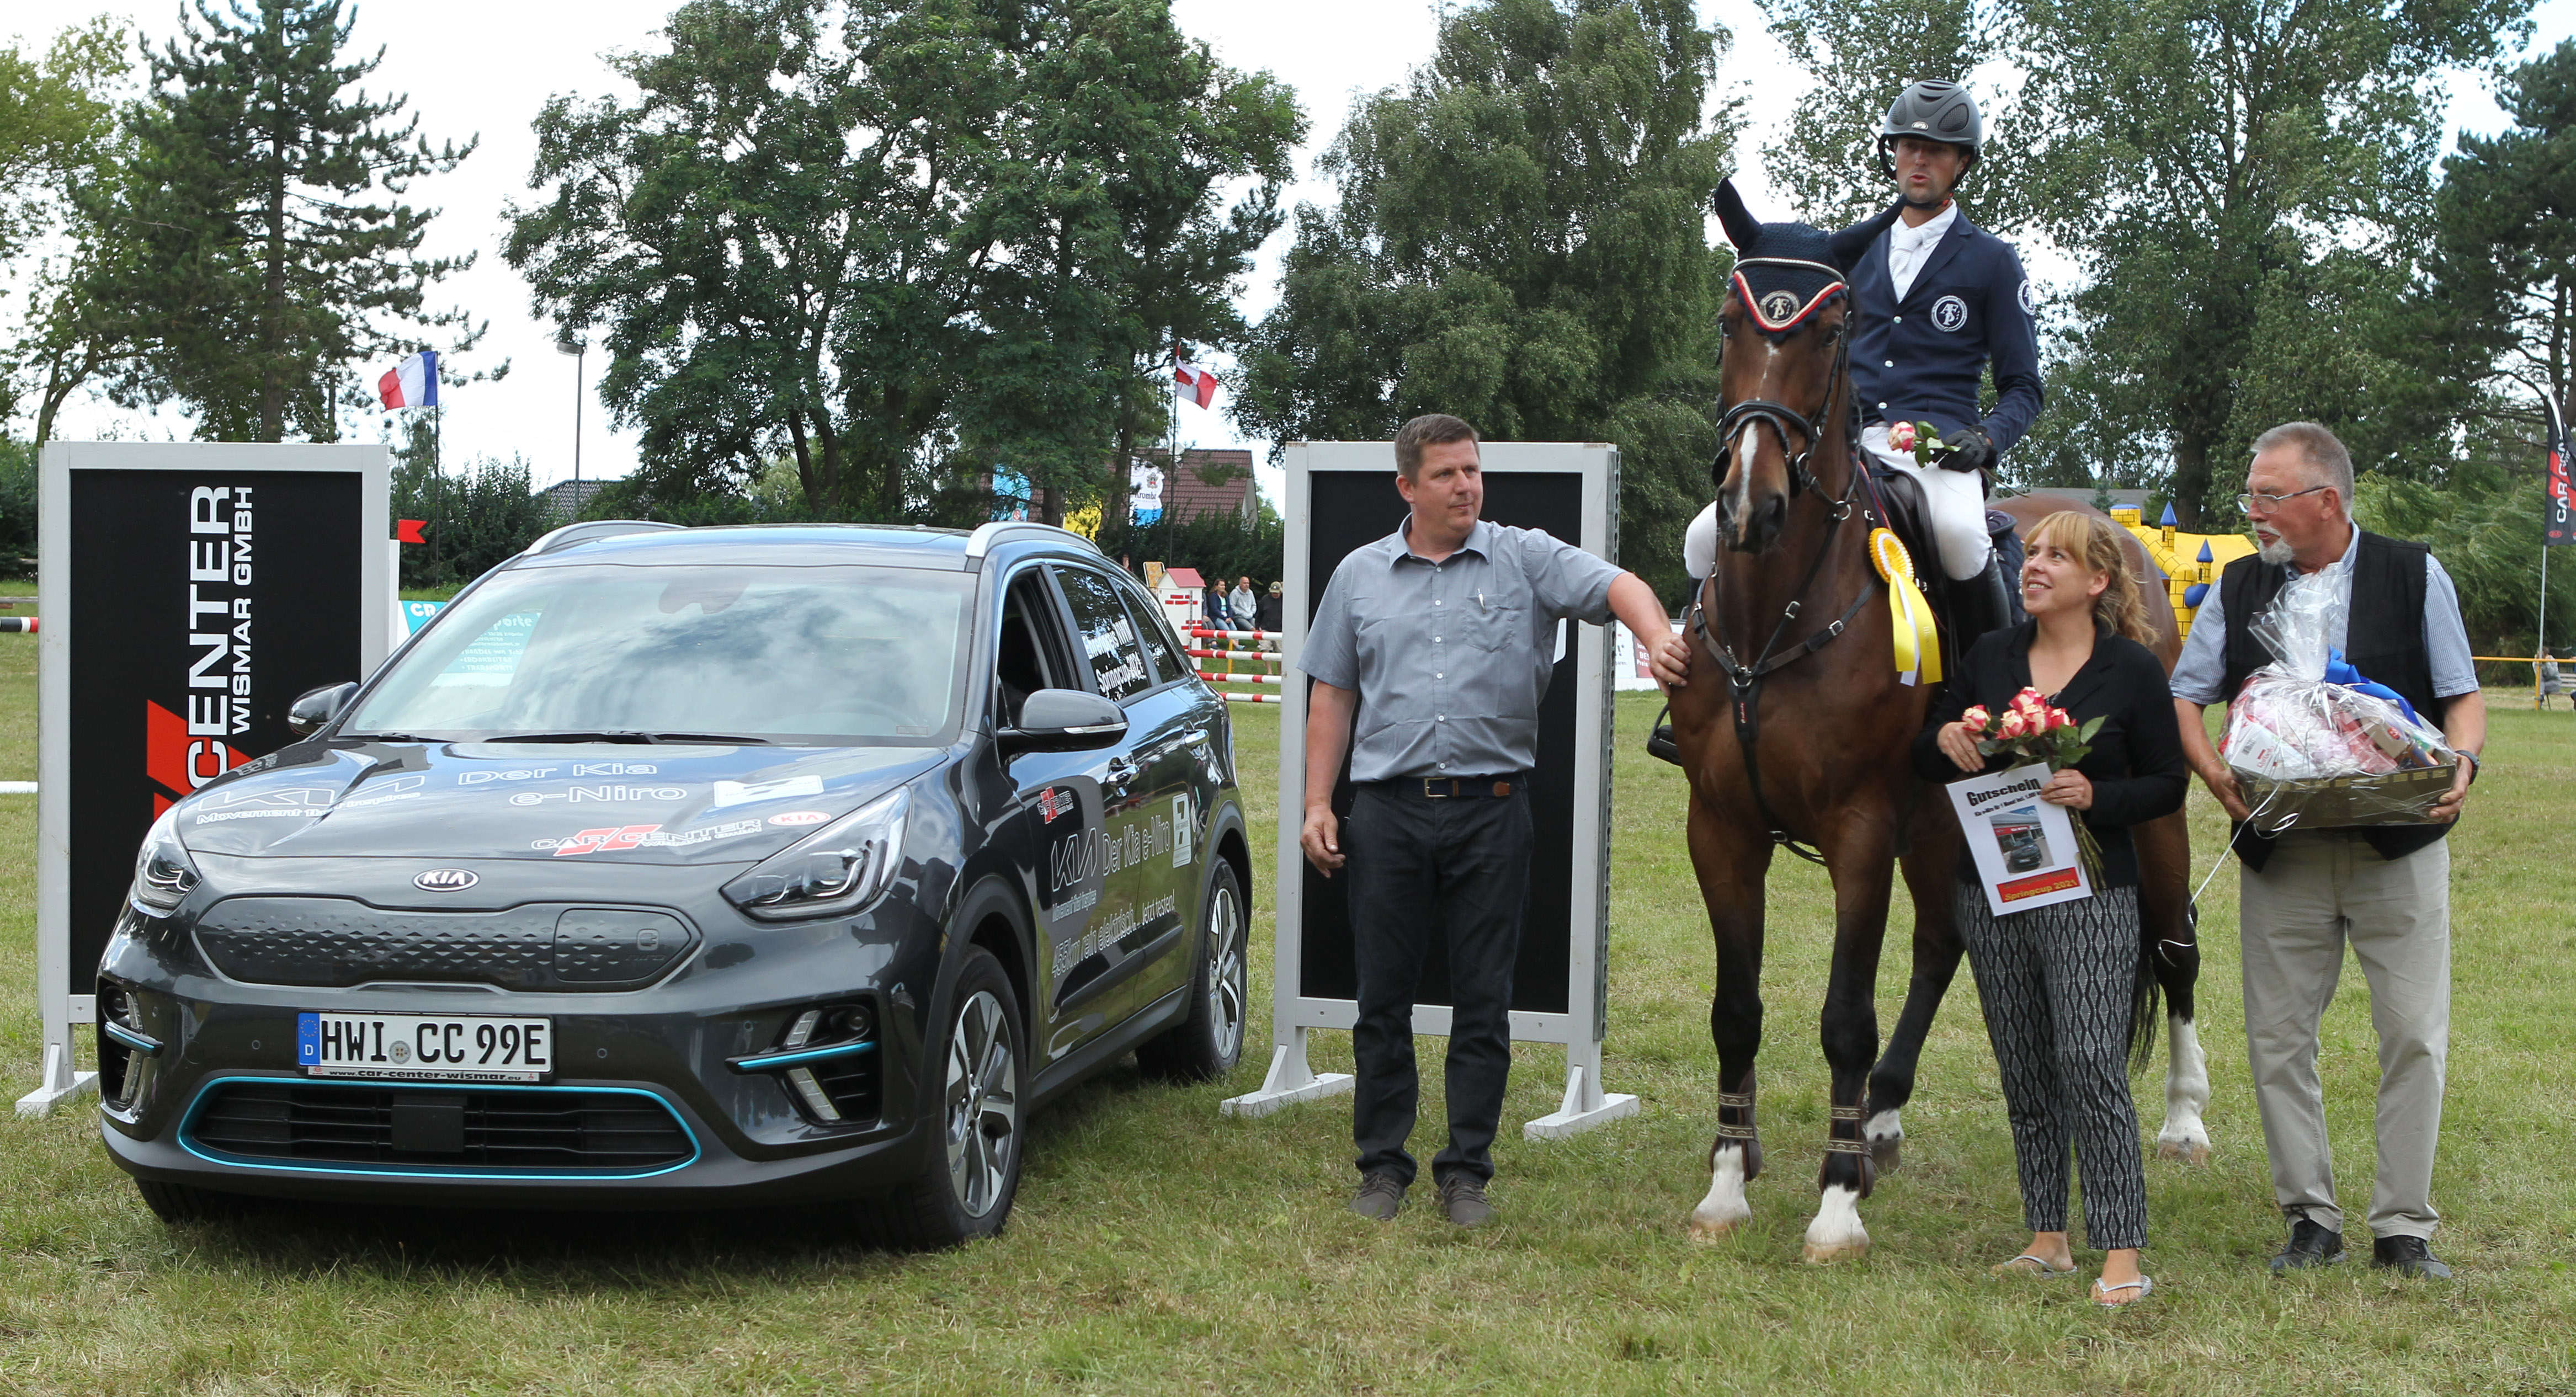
(17,508)
(477,519)
(1220,546)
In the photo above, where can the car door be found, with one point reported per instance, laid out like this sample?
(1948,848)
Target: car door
(1064,807)
(1180,725)
(1143,927)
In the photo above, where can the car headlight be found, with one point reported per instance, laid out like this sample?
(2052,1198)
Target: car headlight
(840,868)
(163,872)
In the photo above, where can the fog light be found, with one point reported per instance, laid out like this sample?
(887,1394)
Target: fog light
(812,1091)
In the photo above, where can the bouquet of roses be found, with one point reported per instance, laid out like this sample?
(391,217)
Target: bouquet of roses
(2030,730)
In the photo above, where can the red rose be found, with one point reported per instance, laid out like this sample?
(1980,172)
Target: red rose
(1977,718)
(1900,436)
(2015,723)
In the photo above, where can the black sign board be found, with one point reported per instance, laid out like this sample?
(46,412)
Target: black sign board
(1351,508)
(192,591)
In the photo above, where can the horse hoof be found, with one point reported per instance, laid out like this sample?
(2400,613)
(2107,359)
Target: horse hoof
(2192,1152)
(1840,1251)
(1887,1152)
(1715,1229)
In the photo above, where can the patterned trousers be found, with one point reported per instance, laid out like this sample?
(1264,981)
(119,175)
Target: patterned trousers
(2056,984)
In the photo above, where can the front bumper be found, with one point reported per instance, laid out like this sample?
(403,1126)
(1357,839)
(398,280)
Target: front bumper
(665,1050)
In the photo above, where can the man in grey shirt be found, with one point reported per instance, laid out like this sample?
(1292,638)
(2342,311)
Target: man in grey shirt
(1440,639)
(2384,890)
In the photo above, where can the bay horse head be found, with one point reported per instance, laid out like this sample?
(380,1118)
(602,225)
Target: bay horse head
(1783,380)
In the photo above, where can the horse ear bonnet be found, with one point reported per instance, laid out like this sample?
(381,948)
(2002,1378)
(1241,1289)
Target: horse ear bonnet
(1853,243)
(1784,272)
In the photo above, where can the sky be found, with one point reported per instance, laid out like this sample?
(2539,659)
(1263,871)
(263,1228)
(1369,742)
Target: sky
(483,68)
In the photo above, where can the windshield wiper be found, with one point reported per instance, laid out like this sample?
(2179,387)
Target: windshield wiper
(629,735)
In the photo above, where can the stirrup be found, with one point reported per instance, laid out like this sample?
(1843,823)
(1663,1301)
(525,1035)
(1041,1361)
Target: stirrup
(1659,741)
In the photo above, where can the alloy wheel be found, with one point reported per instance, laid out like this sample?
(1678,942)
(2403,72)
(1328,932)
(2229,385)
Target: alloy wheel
(1226,987)
(983,1105)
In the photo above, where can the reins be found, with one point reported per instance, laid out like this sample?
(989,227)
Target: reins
(1744,681)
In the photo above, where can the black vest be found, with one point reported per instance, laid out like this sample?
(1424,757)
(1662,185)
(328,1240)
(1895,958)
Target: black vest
(2383,638)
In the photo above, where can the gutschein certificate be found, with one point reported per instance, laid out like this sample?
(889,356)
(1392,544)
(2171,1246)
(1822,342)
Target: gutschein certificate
(2024,846)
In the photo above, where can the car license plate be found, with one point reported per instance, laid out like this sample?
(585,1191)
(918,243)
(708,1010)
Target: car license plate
(436,1047)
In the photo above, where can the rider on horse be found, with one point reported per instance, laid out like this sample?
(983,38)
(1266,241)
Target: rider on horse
(1938,298)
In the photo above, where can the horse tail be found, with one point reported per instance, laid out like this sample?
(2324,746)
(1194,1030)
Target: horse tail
(2145,999)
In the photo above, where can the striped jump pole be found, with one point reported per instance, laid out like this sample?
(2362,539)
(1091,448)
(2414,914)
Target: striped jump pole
(17,625)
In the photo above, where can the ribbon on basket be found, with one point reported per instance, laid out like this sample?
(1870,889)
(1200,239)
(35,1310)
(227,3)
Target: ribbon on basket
(1918,637)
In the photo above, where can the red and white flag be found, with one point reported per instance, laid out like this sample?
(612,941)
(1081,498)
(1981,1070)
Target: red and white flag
(1197,384)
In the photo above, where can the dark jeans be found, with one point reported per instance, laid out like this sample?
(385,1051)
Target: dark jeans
(1419,868)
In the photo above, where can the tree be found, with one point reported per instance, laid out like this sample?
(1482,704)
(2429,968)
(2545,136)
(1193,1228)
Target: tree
(2504,262)
(894,240)
(57,129)
(2244,186)
(257,271)
(1519,240)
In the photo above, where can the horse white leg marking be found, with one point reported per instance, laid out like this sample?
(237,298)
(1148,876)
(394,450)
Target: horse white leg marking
(1724,1209)
(1884,1126)
(1836,1233)
(2184,1137)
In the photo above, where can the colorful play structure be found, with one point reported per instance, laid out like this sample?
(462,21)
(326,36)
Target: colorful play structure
(2189,563)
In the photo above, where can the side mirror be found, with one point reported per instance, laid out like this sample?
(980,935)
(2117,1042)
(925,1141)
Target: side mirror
(314,707)
(1063,720)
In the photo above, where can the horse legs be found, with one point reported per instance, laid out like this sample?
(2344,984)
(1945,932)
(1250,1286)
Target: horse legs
(1937,949)
(1732,863)
(1863,866)
(2172,927)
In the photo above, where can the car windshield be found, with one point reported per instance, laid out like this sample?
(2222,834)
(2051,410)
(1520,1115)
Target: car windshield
(838,656)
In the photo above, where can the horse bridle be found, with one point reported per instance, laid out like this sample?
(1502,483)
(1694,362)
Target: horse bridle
(1744,681)
(1780,417)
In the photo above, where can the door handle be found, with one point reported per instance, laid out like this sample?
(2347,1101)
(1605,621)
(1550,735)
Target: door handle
(1197,737)
(1121,771)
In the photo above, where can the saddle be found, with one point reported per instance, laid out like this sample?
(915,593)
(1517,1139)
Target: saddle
(1911,519)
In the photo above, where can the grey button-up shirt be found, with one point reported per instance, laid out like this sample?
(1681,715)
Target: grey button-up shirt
(1450,659)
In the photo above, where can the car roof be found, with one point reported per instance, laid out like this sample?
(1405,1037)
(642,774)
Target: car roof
(793,545)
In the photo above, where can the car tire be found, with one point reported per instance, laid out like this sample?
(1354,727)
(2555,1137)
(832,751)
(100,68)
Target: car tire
(176,1203)
(976,1083)
(1208,1043)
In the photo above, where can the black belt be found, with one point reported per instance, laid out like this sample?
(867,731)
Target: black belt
(1452,787)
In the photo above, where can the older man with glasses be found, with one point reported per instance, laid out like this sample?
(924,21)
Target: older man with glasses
(2385,889)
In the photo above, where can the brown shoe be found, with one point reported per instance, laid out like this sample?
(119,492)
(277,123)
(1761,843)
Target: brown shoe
(1462,1197)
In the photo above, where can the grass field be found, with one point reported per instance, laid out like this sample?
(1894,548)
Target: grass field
(1159,1247)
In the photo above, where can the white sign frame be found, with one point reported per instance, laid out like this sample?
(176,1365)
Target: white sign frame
(61,1009)
(1581,1028)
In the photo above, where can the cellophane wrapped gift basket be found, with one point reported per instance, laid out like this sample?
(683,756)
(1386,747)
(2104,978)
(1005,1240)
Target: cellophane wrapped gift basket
(2314,744)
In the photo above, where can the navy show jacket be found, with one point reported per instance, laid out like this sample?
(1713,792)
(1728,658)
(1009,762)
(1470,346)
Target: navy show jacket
(1918,360)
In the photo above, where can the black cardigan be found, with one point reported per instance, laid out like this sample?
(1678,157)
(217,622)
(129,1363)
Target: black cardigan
(2136,765)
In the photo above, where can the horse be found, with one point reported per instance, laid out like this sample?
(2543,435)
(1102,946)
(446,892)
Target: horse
(1804,743)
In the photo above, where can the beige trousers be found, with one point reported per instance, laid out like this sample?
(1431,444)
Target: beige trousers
(2318,892)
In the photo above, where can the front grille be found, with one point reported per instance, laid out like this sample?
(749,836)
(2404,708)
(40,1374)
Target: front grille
(546,1130)
(854,1084)
(336,942)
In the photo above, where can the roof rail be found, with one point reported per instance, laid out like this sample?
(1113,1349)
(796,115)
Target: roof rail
(985,536)
(587,530)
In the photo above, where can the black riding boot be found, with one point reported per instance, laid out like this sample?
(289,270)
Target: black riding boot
(1985,603)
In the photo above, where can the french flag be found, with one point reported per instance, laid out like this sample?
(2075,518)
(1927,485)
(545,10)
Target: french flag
(1197,384)
(412,383)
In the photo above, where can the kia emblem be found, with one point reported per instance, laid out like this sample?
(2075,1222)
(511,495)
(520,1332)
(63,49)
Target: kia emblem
(446,880)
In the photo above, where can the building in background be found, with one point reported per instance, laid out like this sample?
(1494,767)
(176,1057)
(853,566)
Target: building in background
(567,498)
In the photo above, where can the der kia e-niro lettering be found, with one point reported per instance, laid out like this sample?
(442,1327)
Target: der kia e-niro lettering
(683,867)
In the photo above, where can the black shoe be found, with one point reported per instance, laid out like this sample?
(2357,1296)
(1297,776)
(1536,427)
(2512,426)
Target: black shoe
(1659,743)
(1380,1195)
(1462,1197)
(2310,1245)
(2407,1256)
(1983,603)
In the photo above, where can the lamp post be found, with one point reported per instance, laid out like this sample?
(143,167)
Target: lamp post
(576,349)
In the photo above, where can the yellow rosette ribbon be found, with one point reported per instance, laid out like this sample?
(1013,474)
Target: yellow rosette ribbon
(1918,638)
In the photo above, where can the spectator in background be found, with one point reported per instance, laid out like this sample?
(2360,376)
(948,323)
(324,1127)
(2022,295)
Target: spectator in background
(1247,617)
(1272,622)
(1215,602)
(2547,674)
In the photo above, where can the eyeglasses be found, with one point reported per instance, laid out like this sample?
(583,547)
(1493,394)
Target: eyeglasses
(2271,503)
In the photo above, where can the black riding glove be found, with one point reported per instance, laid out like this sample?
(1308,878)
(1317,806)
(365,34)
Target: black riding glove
(1970,450)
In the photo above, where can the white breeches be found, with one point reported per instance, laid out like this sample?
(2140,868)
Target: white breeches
(1956,500)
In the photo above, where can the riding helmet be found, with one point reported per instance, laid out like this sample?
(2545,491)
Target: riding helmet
(1933,110)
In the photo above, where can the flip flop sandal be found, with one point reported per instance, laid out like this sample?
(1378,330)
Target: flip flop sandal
(2037,1269)
(2144,1285)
